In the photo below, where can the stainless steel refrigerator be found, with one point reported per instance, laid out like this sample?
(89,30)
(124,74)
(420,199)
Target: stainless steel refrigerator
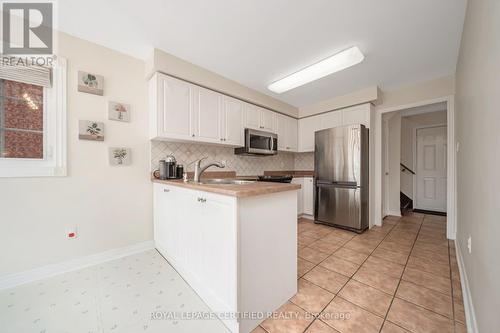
(341,177)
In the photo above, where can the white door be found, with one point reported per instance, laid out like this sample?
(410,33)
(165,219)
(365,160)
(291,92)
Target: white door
(233,122)
(176,108)
(207,115)
(431,169)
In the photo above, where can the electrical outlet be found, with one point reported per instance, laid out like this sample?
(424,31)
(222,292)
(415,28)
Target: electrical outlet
(458,146)
(469,244)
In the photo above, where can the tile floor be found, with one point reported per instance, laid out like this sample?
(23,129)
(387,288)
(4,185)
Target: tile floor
(401,277)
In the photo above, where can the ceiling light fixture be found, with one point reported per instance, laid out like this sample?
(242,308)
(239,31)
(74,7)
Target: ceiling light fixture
(330,65)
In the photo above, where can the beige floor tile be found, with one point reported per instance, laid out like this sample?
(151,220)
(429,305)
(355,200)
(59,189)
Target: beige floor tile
(320,327)
(310,297)
(460,328)
(441,258)
(258,329)
(457,291)
(341,266)
(375,279)
(417,319)
(358,320)
(459,312)
(393,246)
(326,279)
(335,239)
(431,248)
(367,297)
(426,298)
(313,255)
(429,266)
(324,246)
(350,255)
(303,266)
(305,240)
(360,246)
(392,328)
(289,318)
(392,256)
(341,233)
(428,280)
(384,266)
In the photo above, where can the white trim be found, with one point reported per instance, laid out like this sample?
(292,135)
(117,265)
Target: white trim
(451,163)
(306,216)
(470,314)
(415,161)
(54,132)
(13,280)
(393,213)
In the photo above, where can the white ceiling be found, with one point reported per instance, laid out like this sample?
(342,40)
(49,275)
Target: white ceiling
(256,42)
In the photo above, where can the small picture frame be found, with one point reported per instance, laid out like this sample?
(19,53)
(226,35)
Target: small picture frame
(119,111)
(90,130)
(90,83)
(120,156)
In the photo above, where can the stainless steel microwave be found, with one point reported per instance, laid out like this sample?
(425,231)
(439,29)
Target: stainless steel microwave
(258,143)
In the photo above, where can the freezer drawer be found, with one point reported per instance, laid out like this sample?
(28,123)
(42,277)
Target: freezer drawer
(339,205)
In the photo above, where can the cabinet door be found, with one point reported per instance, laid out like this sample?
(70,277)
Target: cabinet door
(300,196)
(309,125)
(233,122)
(252,116)
(281,130)
(308,196)
(292,132)
(175,107)
(207,119)
(267,120)
(356,115)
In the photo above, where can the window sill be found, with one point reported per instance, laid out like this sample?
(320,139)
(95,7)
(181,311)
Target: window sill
(18,172)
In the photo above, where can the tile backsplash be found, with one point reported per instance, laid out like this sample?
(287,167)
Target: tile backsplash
(186,153)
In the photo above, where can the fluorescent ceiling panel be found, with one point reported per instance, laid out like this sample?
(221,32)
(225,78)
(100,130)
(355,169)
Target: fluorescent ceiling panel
(330,65)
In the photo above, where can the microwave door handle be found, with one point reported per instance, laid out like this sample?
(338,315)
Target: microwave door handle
(272,143)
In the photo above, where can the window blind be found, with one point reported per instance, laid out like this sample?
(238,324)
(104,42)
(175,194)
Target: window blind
(31,74)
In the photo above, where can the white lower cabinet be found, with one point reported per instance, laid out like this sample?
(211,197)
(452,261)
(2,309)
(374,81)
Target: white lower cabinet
(210,240)
(308,195)
(300,196)
(305,197)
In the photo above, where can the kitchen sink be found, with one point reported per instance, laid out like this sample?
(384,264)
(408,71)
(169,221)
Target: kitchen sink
(226,181)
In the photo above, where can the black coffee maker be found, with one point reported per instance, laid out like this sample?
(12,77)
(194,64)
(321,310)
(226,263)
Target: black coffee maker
(168,168)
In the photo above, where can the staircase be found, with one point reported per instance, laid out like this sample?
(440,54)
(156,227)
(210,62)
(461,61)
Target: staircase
(406,204)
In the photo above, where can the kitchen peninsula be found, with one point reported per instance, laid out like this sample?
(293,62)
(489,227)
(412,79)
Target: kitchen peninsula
(235,244)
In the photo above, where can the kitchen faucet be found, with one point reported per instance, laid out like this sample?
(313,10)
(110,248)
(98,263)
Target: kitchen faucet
(198,170)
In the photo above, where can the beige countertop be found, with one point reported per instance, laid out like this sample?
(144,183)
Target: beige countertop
(235,190)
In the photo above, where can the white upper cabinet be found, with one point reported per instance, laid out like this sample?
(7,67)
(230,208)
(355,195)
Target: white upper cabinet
(307,126)
(207,116)
(232,121)
(171,108)
(286,128)
(260,118)
(186,112)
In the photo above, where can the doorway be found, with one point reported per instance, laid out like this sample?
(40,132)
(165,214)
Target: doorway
(414,160)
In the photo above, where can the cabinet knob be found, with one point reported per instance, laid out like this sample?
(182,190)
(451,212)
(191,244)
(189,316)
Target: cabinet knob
(192,135)
(202,200)
(166,190)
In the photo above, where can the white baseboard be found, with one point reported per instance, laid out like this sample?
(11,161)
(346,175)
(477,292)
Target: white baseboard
(16,279)
(470,314)
(306,216)
(393,213)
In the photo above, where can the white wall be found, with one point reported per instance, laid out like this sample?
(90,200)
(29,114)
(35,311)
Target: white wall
(478,161)
(111,206)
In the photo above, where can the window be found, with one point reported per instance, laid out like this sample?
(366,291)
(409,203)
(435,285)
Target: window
(33,125)
(21,120)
